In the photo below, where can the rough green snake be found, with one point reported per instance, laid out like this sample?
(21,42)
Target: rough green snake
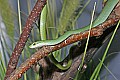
(43,37)
(101,18)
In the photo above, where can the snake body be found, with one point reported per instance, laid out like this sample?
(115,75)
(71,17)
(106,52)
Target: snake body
(100,19)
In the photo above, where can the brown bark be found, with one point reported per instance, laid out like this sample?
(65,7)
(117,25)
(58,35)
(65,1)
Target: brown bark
(24,37)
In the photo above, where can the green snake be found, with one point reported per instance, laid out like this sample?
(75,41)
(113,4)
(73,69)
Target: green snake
(43,37)
(100,19)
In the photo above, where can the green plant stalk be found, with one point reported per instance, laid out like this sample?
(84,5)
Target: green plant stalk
(2,66)
(96,73)
(79,69)
(25,76)
(2,63)
(19,17)
(91,23)
(109,72)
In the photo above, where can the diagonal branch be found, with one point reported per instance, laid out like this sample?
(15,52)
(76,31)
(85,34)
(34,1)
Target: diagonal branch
(45,50)
(24,36)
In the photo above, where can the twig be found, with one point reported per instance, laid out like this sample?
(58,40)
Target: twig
(24,36)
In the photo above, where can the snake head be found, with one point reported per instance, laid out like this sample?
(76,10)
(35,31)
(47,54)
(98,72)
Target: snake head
(34,45)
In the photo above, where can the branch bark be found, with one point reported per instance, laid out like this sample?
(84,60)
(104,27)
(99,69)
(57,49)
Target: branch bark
(24,37)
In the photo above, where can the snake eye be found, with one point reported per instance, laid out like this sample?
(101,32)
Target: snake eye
(33,43)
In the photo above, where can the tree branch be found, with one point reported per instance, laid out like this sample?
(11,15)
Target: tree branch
(24,36)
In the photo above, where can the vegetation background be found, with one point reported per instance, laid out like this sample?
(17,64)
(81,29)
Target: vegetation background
(13,15)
